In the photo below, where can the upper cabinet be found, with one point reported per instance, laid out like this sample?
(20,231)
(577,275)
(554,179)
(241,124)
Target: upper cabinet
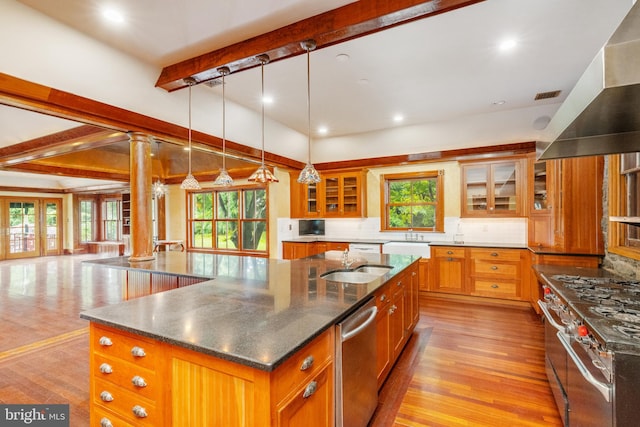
(338,195)
(495,188)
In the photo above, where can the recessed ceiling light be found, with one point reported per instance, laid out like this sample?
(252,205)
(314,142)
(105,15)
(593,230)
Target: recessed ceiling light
(323,130)
(267,99)
(398,118)
(507,45)
(113,15)
(342,57)
(363,81)
(501,102)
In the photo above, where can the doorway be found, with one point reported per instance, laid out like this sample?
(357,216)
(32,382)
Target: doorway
(34,227)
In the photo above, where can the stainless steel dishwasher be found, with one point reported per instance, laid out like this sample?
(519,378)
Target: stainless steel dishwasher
(356,383)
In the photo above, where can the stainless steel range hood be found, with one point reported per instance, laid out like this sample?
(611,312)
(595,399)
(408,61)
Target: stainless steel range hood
(601,115)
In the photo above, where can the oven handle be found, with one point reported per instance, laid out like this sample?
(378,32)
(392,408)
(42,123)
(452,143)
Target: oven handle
(603,388)
(545,309)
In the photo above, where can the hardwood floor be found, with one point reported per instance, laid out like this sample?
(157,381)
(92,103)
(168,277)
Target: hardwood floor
(466,364)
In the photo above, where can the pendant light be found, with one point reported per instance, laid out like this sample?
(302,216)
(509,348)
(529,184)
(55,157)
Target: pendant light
(158,188)
(309,175)
(223,178)
(190,183)
(263,174)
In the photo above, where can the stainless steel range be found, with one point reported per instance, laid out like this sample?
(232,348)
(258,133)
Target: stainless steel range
(592,342)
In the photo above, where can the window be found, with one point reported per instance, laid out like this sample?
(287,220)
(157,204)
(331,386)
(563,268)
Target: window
(413,200)
(86,220)
(111,220)
(229,220)
(624,201)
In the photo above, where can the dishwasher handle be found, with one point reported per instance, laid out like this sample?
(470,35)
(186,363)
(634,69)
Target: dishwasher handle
(347,335)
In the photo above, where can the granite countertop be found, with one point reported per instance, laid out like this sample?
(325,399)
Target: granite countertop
(314,238)
(257,311)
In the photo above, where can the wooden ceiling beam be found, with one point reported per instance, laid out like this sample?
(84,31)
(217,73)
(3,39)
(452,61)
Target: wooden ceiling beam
(351,21)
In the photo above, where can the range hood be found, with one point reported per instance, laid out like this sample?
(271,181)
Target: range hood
(601,115)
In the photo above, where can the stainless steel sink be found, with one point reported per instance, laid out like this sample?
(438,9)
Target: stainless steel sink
(378,270)
(349,276)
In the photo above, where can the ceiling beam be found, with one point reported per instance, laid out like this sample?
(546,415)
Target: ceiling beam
(351,21)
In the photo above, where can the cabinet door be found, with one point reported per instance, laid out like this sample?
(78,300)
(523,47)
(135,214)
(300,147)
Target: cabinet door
(493,189)
(414,296)
(305,201)
(293,250)
(449,275)
(383,343)
(332,202)
(343,195)
(396,321)
(312,405)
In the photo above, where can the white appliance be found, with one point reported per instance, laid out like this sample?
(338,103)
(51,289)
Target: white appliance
(365,247)
(407,248)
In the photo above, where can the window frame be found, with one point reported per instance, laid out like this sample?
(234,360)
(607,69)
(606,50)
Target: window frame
(106,220)
(214,220)
(385,181)
(618,197)
(91,222)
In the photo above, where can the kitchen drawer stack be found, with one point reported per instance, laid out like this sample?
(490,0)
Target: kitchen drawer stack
(125,388)
(495,273)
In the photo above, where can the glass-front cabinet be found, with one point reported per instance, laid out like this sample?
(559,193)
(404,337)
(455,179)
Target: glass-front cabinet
(339,194)
(493,188)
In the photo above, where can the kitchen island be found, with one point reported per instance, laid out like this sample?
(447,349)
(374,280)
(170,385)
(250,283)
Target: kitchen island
(231,351)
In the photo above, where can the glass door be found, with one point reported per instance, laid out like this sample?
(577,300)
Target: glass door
(23,229)
(53,226)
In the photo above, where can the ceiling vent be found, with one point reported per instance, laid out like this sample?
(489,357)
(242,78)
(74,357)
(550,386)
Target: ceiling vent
(547,95)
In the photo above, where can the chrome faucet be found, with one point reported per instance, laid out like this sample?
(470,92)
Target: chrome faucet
(345,258)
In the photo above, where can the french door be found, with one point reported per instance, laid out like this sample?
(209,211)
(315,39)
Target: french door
(33,227)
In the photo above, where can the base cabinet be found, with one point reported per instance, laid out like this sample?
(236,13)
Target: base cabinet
(169,386)
(448,270)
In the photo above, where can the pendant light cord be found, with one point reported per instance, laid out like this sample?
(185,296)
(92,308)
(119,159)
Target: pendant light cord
(262,103)
(224,121)
(308,106)
(190,86)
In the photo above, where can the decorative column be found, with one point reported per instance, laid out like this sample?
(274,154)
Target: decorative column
(140,182)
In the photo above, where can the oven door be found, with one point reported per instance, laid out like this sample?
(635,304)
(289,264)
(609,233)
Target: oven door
(555,360)
(590,395)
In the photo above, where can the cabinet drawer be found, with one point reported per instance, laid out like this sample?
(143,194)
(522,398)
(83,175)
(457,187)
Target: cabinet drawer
(101,418)
(495,288)
(383,297)
(448,252)
(120,345)
(298,369)
(495,254)
(123,375)
(496,269)
(124,403)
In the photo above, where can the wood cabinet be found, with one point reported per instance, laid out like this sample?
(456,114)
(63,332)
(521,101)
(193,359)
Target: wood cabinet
(295,250)
(494,189)
(173,386)
(423,275)
(570,220)
(486,272)
(448,270)
(496,273)
(398,312)
(340,194)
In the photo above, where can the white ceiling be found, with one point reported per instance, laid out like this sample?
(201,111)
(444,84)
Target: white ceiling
(446,68)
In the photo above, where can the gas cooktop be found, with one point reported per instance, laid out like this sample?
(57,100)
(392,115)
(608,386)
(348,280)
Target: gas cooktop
(609,305)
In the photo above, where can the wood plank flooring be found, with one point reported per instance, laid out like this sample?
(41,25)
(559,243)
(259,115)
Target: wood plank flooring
(466,364)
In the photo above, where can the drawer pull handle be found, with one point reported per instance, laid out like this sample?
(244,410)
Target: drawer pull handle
(105,368)
(393,309)
(138,352)
(307,363)
(105,422)
(494,253)
(383,297)
(494,267)
(310,389)
(494,286)
(105,342)
(105,396)
(449,252)
(399,282)
(138,381)
(449,259)
(139,411)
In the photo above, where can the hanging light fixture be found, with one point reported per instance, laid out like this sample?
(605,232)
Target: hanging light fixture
(309,175)
(223,178)
(263,174)
(158,189)
(190,183)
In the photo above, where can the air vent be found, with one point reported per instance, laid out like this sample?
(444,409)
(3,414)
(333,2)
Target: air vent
(547,95)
